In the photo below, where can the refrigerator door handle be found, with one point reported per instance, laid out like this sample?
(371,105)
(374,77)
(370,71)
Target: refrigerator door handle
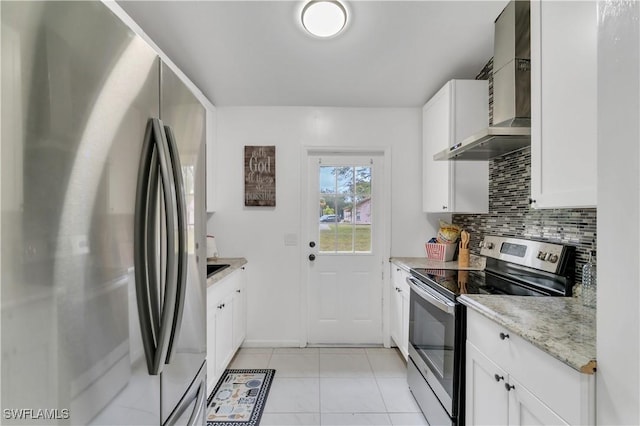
(155,326)
(182,241)
(171,271)
(144,244)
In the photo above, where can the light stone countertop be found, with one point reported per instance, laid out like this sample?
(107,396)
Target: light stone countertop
(234,262)
(560,326)
(476,263)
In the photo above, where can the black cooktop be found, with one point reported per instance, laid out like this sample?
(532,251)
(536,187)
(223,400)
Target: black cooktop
(453,283)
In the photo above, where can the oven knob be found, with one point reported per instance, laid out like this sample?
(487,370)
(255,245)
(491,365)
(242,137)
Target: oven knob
(489,246)
(553,258)
(542,255)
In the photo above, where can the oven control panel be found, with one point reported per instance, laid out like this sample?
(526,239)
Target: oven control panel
(534,254)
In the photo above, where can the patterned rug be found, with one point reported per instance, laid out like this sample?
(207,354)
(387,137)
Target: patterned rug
(239,398)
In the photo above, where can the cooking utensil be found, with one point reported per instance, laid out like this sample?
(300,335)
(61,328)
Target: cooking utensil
(463,255)
(464,236)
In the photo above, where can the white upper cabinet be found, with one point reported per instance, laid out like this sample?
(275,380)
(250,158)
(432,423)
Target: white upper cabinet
(211,159)
(458,110)
(563,104)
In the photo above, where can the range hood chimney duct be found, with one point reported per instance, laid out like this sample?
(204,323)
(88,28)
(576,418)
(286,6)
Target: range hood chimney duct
(511,127)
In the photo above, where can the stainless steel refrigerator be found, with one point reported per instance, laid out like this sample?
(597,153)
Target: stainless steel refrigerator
(102,230)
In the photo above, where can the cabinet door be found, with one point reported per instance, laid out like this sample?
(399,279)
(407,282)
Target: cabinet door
(399,309)
(239,309)
(526,409)
(436,134)
(212,377)
(224,333)
(563,104)
(487,400)
(458,110)
(395,324)
(404,334)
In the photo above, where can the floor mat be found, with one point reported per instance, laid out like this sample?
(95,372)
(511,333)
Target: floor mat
(239,398)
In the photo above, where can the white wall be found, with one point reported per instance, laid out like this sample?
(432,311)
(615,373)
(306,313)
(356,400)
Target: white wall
(618,329)
(258,233)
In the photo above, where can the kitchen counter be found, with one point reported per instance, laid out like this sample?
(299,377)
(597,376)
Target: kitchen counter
(560,326)
(234,262)
(476,263)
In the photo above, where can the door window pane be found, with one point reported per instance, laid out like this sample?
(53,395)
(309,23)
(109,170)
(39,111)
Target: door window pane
(345,209)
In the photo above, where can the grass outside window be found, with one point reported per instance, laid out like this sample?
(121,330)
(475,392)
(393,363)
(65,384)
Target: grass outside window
(345,238)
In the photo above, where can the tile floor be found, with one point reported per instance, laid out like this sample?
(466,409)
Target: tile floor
(334,386)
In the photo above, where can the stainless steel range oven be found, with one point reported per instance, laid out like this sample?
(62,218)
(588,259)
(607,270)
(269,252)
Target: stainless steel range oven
(437,322)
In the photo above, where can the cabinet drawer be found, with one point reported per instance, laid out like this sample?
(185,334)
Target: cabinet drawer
(399,278)
(565,390)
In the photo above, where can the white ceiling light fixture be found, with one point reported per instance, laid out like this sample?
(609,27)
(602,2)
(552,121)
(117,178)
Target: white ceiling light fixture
(324,18)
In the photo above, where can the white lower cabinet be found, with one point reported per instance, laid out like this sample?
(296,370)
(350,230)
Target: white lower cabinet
(399,309)
(226,323)
(224,333)
(509,381)
(487,402)
(495,398)
(526,409)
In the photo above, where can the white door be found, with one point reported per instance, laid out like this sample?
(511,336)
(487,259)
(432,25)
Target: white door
(345,231)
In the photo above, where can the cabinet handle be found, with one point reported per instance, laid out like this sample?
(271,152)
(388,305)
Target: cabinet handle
(508,387)
(498,378)
(397,269)
(444,207)
(238,291)
(531,201)
(503,336)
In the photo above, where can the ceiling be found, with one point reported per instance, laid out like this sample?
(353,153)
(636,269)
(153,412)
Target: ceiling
(250,53)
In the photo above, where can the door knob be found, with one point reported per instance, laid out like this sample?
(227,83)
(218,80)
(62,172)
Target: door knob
(312,257)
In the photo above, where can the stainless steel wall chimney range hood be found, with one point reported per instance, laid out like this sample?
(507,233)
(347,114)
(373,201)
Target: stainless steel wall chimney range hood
(511,91)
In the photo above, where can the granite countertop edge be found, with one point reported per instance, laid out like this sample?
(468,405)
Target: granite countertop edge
(234,263)
(578,352)
(407,263)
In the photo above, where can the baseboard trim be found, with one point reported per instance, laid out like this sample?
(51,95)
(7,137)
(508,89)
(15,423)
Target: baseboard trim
(271,344)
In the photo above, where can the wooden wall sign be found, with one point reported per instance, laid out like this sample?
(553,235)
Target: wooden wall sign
(260,176)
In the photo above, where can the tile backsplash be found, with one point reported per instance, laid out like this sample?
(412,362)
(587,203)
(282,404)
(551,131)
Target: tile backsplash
(509,212)
(511,216)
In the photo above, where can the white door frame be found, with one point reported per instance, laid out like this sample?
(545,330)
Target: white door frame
(306,152)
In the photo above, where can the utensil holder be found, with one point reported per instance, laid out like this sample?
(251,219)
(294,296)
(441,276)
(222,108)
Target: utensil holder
(463,257)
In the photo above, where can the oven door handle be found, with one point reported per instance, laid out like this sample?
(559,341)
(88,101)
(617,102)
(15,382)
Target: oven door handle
(431,296)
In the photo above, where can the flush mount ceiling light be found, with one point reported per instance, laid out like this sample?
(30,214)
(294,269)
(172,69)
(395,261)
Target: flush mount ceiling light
(324,18)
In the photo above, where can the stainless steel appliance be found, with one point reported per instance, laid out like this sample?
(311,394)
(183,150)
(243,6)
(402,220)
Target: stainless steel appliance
(102,224)
(437,321)
(511,128)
